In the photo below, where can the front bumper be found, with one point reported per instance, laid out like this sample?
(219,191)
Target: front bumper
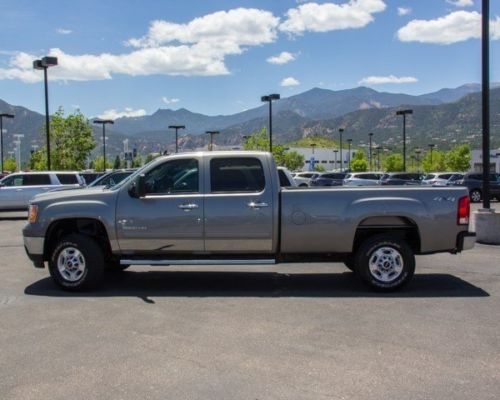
(465,241)
(34,249)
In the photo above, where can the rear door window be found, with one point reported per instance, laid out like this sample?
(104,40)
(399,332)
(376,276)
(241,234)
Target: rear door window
(241,174)
(68,179)
(36,180)
(284,182)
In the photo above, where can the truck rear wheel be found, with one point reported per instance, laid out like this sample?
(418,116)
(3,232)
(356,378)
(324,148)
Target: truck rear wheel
(77,263)
(385,262)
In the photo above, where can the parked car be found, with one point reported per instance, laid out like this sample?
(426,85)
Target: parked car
(437,178)
(304,178)
(286,178)
(226,208)
(328,179)
(112,178)
(401,178)
(17,189)
(362,178)
(91,176)
(454,178)
(473,181)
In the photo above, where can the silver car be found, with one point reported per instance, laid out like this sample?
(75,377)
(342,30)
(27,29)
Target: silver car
(17,189)
(362,178)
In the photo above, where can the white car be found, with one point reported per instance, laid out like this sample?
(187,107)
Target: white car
(17,189)
(438,178)
(362,178)
(304,178)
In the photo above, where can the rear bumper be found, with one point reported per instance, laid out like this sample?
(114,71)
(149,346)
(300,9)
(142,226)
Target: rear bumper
(465,241)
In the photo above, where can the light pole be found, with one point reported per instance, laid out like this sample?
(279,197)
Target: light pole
(45,63)
(417,155)
(2,116)
(378,157)
(431,147)
(176,127)
(17,142)
(341,130)
(404,113)
(349,141)
(335,153)
(211,133)
(485,72)
(370,135)
(270,99)
(103,122)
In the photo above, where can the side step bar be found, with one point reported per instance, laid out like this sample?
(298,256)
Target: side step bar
(269,261)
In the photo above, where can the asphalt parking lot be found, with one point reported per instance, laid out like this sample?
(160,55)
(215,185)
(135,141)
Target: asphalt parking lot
(283,332)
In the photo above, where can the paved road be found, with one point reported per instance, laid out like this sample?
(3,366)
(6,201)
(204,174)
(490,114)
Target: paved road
(296,332)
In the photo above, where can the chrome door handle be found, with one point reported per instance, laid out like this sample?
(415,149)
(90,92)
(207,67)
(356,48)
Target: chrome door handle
(188,206)
(254,204)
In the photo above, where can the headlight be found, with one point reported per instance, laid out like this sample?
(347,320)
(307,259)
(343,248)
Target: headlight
(32,213)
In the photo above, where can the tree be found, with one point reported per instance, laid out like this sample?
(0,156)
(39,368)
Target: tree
(438,161)
(71,140)
(394,163)
(137,161)
(293,160)
(117,164)
(319,168)
(38,160)
(98,164)
(260,141)
(359,162)
(10,164)
(458,158)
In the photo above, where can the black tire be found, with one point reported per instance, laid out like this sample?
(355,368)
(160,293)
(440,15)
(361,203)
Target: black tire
(396,259)
(349,263)
(93,263)
(476,196)
(303,185)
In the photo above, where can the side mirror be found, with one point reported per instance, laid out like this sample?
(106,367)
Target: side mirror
(138,187)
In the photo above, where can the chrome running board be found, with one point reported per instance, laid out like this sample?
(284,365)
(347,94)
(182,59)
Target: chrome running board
(269,261)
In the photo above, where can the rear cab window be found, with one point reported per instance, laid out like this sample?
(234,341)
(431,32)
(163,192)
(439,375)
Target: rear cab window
(236,174)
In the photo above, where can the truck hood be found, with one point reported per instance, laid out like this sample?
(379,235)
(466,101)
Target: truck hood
(71,194)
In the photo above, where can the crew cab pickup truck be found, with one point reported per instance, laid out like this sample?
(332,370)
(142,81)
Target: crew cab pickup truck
(227,208)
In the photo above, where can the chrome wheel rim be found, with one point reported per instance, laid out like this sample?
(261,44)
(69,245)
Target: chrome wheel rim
(386,264)
(71,264)
(476,196)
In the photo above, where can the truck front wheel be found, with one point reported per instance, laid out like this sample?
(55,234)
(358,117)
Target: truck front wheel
(77,263)
(385,262)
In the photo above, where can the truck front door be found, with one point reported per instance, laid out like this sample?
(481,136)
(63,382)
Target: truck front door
(169,218)
(238,206)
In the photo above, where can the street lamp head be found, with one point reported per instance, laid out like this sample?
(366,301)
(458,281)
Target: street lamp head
(212,132)
(103,121)
(404,112)
(341,130)
(370,134)
(349,140)
(49,61)
(6,115)
(431,145)
(271,97)
(176,127)
(37,64)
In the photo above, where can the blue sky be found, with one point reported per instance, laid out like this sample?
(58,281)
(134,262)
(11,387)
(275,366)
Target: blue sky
(213,57)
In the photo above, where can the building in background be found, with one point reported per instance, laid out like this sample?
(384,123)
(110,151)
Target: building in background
(477,161)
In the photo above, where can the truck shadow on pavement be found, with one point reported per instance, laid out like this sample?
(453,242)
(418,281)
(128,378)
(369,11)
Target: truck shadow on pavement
(256,284)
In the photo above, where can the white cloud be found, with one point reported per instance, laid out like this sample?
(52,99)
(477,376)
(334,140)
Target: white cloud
(380,80)
(455,27)
(325,17)
(290,81)
(166,100)
(404,11)
(128,112)
(63,31)
(282,58)
(198,48)
(461,3)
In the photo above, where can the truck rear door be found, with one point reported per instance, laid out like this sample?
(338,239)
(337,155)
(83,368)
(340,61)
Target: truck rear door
(238,205)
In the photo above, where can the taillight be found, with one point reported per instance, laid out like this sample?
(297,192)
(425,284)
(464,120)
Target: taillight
(463,210)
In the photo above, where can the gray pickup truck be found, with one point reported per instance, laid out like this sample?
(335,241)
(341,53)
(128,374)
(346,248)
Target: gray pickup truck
(227,208)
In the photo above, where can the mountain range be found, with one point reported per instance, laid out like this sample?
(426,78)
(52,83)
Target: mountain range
(445,117)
